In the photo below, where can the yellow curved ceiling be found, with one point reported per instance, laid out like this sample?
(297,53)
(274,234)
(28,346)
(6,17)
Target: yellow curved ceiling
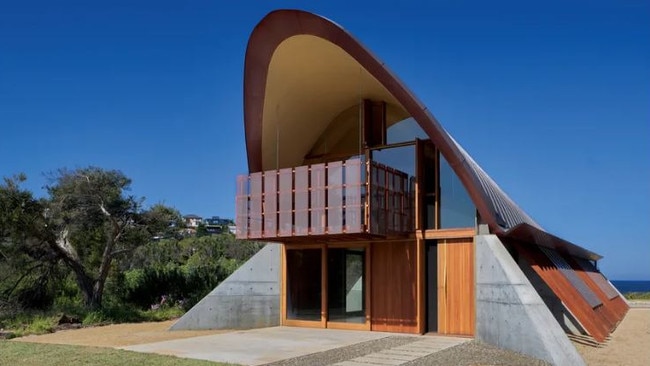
(311,84)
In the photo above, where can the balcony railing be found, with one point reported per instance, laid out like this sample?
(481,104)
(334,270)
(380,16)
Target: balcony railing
(324,199)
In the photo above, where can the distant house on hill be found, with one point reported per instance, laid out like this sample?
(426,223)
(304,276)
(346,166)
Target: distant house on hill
(217,221)
(192,221)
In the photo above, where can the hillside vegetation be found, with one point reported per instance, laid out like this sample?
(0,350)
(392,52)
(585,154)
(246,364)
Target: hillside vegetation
(90,253)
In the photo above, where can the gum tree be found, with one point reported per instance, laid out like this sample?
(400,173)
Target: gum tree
(87,220)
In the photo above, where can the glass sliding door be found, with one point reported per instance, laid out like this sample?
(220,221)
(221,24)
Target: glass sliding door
(346,285)
(303,268)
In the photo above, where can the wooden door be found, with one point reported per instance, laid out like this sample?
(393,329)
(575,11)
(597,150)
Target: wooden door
(393,282)
(456,304)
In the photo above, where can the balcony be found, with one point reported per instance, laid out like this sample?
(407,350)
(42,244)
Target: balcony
(351,199)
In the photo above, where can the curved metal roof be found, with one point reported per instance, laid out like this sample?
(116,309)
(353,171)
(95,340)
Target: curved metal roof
(496,209)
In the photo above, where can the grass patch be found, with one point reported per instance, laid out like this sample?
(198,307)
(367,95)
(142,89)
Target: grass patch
(29,323)
(127,314)
(32,322)
(637,295)
(19,353)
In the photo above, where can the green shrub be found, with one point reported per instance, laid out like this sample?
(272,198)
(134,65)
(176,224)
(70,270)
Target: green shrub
(42,324)
(637,295)
(30,322)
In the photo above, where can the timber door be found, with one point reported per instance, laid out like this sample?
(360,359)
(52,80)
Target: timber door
(456,304)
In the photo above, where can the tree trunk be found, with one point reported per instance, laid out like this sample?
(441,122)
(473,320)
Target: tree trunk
(85,284)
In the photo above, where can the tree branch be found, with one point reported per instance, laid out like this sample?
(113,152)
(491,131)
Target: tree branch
(9,291)
(120,251)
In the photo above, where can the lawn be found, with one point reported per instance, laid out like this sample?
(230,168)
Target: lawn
(20,353)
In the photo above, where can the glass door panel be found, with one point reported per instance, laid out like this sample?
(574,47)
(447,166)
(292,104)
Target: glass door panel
(346,287)
(303,284)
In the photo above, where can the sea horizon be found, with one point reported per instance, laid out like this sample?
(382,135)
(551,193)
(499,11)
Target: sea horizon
(627,286)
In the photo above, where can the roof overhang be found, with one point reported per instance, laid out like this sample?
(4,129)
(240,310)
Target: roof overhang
(531,234)
(287,87)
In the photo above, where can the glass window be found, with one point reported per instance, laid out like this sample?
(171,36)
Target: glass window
(404,130)
(456,207)
(392,191)
(401,158)
(429,186)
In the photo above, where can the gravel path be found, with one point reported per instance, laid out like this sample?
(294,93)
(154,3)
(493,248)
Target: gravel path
(475,353)
(346,353)
(468,354)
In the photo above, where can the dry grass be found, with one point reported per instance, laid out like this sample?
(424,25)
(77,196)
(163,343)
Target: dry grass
(116,335)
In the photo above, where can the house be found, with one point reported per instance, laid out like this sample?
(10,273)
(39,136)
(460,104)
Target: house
(192,221)
(217,221)
(382,220)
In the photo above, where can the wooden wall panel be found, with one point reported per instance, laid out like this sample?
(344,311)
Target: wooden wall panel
(456,303)
(393,287)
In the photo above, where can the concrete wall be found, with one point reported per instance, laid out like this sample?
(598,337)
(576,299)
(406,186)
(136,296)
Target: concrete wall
(510,313)
(249,298)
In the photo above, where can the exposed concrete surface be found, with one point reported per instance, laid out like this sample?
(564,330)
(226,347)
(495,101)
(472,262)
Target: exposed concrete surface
(259,346)
(510,313)
(249,298)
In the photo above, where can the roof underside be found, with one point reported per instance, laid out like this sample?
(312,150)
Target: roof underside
(302,71)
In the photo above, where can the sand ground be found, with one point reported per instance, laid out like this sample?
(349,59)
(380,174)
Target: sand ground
(629,344)
(117,335)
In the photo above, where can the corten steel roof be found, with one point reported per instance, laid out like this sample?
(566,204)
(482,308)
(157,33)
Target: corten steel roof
(496,209)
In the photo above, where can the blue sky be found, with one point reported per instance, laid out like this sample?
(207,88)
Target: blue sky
(551,98)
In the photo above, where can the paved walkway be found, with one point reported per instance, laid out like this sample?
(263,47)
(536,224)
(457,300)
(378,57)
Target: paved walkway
(261,346)
(406,353)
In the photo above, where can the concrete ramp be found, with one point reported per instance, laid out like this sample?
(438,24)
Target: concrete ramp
(510,314)
(249,298)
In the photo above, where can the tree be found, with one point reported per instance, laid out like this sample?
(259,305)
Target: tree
(201,230)
(86,222)
(26,270)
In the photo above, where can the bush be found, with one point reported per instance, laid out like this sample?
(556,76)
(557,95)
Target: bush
(181,272)
(637,295)
(30,323)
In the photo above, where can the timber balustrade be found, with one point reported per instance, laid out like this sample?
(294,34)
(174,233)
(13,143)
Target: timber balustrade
(353,196)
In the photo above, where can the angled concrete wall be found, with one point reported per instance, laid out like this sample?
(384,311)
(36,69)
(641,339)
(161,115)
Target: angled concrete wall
(249,298)
(510,313)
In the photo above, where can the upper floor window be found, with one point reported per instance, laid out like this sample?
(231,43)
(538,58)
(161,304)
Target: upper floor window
(405,130)
(456,207)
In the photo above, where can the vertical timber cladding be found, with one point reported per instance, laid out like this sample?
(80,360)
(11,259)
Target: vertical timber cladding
(456,301)
(393,282)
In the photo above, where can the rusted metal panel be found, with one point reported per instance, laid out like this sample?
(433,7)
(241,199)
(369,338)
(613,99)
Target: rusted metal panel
(570,275)
(591,319)
(598,278)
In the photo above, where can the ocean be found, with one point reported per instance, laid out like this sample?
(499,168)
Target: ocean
(632,286)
